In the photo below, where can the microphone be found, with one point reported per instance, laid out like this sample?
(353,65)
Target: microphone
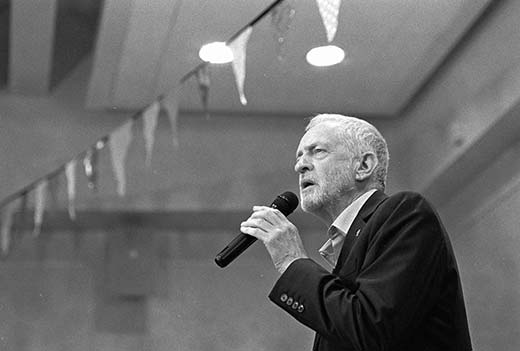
(285,203)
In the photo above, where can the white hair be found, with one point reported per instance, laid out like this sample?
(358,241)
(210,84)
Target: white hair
(360,136)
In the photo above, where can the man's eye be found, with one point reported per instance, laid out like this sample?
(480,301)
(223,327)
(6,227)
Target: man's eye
(320,152)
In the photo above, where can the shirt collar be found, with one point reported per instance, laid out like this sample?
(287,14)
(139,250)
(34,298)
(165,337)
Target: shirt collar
(346,218)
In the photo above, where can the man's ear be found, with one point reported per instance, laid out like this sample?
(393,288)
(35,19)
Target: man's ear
(365,166)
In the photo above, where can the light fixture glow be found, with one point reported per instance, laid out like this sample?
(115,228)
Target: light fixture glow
(323,56)
(216,52)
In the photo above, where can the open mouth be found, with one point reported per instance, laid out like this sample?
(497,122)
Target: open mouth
(305,184)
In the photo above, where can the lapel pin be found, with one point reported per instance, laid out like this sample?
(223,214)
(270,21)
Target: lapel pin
(357,233)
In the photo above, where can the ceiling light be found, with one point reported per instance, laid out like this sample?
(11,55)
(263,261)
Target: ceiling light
(216,52)
(323,56)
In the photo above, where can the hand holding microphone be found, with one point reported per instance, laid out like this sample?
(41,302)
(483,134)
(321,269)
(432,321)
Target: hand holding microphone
(269,224)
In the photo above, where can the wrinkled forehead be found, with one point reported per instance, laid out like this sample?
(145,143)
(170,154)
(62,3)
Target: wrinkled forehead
(325,133)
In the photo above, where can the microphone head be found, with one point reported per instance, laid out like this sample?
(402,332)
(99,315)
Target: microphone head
(286,203)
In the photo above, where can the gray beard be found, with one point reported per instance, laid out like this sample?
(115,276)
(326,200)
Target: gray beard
(320,198)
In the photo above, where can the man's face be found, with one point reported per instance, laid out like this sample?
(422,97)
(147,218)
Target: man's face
(325,168)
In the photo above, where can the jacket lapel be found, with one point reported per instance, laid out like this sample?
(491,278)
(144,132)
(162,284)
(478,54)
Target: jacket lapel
(357,226)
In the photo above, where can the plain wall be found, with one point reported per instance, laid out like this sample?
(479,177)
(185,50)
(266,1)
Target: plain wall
(56,294)
(483,220)
(476,90)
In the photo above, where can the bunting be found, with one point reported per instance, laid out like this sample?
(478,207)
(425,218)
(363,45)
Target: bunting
(329,10)
(150,117)
(238,47)
(5,230)
(119,142)
(90,166)
(70,173)
(171,106)
(40,195)
(282,13)
(203,80)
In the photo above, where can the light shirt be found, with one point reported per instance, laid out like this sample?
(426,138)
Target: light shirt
(339,229)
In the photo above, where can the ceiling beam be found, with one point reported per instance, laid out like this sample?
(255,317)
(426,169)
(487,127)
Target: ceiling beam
(184,220)
(143,51)
(132,40)
(31,45)
(111,35)
(444,49)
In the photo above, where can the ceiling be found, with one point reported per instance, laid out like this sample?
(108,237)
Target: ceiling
(140,49)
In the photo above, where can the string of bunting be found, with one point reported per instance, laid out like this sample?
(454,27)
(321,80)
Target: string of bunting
(282,13)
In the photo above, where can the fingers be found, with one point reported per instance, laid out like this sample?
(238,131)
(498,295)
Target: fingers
(271,214)
(255,226)
(262,221)
(279,235)
(257,223)
(256,232)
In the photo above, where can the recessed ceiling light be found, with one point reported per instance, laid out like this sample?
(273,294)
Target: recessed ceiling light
(323,56)
(216,52)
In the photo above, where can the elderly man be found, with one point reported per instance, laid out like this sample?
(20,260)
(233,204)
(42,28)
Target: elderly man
(394,283)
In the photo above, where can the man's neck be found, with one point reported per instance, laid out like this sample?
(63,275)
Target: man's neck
(329,215)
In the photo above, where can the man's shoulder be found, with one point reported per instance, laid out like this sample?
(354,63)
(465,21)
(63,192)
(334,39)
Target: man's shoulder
(407,213)
(405,202)
(407,195)
(408,198)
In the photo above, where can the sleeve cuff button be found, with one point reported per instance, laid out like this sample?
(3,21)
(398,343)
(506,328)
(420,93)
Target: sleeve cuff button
(301,308)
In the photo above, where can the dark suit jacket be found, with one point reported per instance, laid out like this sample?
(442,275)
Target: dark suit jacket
(396,285)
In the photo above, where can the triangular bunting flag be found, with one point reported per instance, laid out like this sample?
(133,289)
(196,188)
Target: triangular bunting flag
(238,47)
(119,142)
(281,18)
(204,81)
(40,195)
(150,117)
(329,10)
(171,105)
(90,166)
(70,173)
(5,231)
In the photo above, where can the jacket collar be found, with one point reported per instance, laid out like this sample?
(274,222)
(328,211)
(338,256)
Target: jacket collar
(363,216)
(371,205)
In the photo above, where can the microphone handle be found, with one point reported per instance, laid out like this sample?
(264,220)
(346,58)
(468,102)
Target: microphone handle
(239,244)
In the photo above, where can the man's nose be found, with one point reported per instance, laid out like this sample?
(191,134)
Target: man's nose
(302,165)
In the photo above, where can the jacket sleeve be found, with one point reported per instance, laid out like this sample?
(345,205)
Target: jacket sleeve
(398,281)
